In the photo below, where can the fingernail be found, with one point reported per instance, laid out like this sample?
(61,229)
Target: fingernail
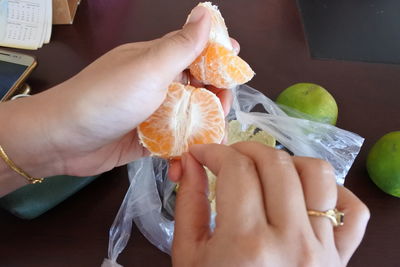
(236,50)
(196,15)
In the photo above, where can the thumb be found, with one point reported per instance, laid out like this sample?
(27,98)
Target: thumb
(175,52)
(192,209)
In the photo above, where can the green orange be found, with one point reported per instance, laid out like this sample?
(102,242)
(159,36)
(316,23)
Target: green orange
(383,163)
(310,101)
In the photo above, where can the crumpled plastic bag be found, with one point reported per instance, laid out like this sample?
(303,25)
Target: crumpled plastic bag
(150,199)
(143,203)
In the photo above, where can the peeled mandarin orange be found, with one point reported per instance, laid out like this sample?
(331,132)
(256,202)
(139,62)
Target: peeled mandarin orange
(218,65)
(187,116)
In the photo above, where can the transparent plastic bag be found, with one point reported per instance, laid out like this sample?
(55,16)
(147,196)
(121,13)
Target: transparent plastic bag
(301,136)
(150,199)
(143,204)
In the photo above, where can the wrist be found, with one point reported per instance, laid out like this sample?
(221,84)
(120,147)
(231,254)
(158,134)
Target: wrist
(25,140)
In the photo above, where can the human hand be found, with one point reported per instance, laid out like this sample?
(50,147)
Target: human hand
(119,91)
(262,198)
(86,125)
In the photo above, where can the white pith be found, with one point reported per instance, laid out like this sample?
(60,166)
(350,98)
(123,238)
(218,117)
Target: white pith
(180,123)
(188,117)
(188,120)
(219,32)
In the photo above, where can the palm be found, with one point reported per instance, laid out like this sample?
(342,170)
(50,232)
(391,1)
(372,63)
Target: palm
(104,158)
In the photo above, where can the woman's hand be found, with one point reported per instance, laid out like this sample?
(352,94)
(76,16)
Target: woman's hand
(262,200)
(109,98)
(87,125)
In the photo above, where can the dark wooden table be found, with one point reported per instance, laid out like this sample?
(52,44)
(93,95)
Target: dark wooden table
(75,233)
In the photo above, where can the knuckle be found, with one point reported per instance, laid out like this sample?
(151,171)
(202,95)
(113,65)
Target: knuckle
(258,250)
(308,249)
(310,256)
(183,39)
(280,156)
(325,168)
(309,260)
(362,211)
(123,48)
(255,245)
(244,163)
(240,144)
(167,35)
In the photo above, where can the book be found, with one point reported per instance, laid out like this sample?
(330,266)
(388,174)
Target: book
(25,24)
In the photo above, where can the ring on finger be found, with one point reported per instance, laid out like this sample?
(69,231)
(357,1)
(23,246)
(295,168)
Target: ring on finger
(334,215)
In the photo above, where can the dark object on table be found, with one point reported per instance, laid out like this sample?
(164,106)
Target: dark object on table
(33,200)
(366,30)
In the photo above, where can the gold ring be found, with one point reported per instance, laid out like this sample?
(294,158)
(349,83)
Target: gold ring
(336,217)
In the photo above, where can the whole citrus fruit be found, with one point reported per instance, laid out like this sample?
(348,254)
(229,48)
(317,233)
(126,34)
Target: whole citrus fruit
(310,99)
(383,163)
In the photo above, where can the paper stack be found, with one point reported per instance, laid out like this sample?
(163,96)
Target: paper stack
(25,24)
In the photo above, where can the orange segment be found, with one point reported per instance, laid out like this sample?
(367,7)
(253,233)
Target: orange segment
(188,116)
(220,67)
(218,32)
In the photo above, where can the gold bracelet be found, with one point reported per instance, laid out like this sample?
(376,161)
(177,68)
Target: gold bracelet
(18,170)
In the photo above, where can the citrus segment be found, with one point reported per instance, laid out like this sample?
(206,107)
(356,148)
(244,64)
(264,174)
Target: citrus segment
(188,116)
(218,65)
(218,32)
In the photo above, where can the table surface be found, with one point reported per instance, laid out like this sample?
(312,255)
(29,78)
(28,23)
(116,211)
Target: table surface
(75,233)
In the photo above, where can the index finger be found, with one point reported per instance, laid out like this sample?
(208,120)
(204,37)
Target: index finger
(239,199)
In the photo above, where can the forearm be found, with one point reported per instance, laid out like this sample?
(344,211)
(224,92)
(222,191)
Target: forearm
(23,136)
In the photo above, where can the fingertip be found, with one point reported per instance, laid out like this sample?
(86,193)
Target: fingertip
(198,25)
(176,51)
(190,165)
(196,15)
(175,171)
(211,156)
(194,82)
(236,46)
(192,210)
(225,96)
(226,99)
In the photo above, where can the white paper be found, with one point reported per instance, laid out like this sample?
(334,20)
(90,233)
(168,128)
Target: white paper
(28,23)
(48,21)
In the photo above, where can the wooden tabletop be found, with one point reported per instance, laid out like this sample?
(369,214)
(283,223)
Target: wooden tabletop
(75,233)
